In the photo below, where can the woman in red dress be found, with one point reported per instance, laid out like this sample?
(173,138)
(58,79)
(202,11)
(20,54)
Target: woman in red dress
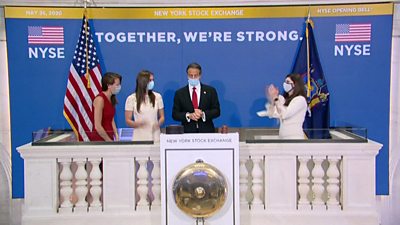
(104,108)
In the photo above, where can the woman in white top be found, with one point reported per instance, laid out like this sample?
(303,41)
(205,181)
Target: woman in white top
(290,108)
(144,109)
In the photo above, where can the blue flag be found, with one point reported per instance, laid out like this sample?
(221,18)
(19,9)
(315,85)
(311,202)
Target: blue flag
(307,64)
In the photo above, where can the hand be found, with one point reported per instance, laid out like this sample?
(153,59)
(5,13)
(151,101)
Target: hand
(140,123)
(108,139)
(193,116)
(156,126)
(271,92)
(198,113)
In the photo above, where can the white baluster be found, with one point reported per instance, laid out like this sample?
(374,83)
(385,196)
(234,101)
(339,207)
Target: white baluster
(81,189)
(318,183)
(95,185)
(303,183)
(243,181)
(333,188)
(142,184)
(257,187)
(156,183)
(65,186)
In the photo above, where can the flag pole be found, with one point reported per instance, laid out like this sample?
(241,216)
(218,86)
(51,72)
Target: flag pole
(86,44)
(308,55)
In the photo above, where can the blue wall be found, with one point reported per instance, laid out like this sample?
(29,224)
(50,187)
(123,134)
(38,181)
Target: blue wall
(359,85)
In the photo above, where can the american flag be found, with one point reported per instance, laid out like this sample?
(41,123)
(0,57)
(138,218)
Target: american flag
(356,32)
(46,35)
(84,84)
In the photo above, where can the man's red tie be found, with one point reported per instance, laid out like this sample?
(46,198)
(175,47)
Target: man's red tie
(195,102)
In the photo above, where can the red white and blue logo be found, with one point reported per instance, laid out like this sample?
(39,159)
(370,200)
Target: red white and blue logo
(353,32)
(353,39)
(46,42)
(45,35)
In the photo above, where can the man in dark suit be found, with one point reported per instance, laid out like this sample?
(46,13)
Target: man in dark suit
(196,104)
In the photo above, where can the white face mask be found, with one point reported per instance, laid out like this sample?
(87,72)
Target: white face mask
(116,90)
(150,85)
(287,87)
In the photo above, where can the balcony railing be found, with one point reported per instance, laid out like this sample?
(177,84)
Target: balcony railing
(280,183)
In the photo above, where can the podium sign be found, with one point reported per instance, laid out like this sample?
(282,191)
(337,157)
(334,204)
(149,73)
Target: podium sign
(219,150)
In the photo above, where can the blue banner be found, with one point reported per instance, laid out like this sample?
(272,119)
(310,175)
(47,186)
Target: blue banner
(239,53)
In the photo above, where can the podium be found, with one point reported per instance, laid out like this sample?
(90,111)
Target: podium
(219,150)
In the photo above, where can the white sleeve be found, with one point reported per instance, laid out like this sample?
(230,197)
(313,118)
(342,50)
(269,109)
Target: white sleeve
(130,103)
(296,105)
(159,100)
(271,109)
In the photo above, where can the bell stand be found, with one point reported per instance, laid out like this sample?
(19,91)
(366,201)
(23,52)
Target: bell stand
(200,219)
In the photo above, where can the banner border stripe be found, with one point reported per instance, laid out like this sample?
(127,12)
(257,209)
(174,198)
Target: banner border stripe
(244,12)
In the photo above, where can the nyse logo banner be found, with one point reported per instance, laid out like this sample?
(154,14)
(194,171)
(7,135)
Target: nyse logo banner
(353,39)
(41,40)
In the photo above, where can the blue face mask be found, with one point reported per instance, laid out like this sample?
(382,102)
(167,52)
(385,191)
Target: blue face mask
(116,90)
(193,82)
(150,85)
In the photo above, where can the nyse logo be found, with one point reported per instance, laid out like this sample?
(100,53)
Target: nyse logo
(350,33)
(45,52)
(353,50)
(46,35)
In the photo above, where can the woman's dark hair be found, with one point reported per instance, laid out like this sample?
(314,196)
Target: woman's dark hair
(142,79)
(298,89)
(194,66)
(109,79)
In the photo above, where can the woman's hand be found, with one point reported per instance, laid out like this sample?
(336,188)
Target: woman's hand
(156,126)
(271,92)
(139,123)
(116,137)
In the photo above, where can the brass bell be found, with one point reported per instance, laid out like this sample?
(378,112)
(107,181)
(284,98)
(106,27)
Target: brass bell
(200,190)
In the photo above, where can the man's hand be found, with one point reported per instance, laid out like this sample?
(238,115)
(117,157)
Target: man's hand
(196,115)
